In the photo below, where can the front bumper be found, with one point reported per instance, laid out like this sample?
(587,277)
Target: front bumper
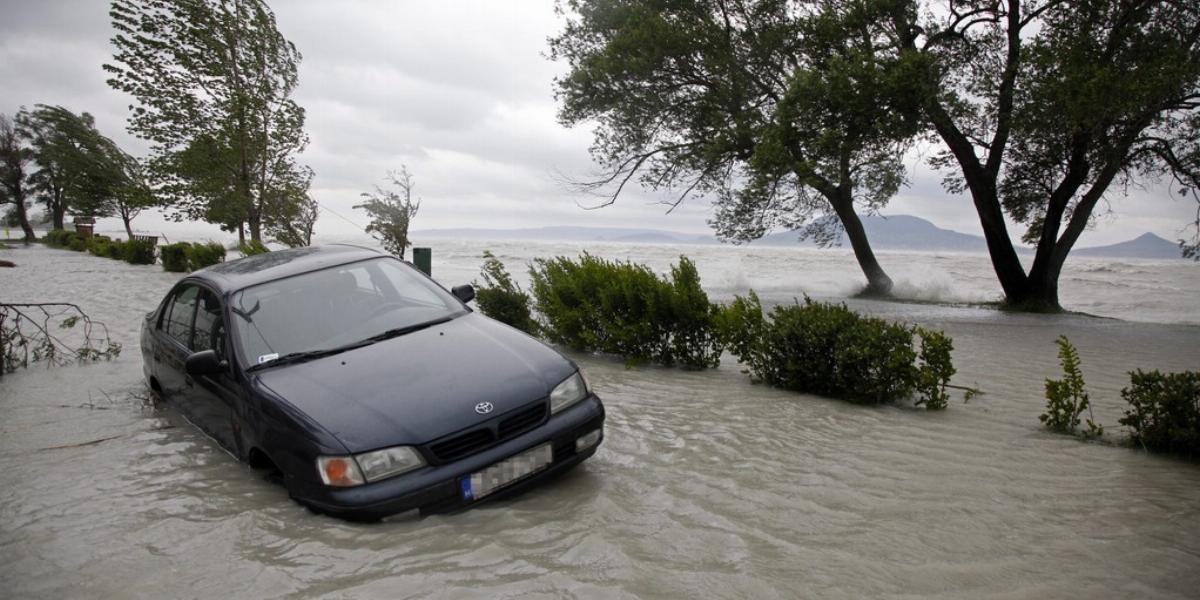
(438,488)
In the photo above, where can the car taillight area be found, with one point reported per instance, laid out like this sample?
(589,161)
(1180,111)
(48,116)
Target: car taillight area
(485,436)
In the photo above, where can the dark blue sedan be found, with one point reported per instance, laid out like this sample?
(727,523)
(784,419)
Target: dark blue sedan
(368,386)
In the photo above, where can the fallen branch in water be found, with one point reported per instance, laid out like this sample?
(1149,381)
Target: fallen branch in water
(27,335)
(82,444)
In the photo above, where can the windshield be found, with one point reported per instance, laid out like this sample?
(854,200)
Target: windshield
(335,307)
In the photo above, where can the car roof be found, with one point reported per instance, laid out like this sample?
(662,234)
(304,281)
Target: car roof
(237,274)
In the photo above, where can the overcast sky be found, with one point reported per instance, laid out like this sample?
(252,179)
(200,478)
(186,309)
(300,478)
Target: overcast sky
(461,92)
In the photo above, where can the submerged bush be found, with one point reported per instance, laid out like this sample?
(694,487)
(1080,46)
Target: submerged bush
(623,308)
(936,369)
(204,255)
(500,298)
(55,238)
(1164,411)
(98,245)
(76,242)
(829,350)
(138,252)
(1066,398)
(174,257)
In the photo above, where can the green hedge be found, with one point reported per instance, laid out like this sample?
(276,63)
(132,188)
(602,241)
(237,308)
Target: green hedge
(622,308)
(98,245)
(1164,411)
(181,257)
(174,257)
(500,298)
(138,252)
(204,255)
(829,350)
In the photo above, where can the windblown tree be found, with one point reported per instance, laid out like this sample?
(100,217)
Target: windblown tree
(1048,106)
(392,211)
(65,161)
(213,80)
(79,170)
(791,115)
(15,158)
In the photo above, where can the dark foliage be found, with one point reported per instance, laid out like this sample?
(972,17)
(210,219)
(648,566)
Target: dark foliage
(174,257)
(500,298)
(625,309)
(1164,411)
(829,350)
(204,255)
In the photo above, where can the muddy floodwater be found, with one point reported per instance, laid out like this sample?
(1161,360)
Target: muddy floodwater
(707,486)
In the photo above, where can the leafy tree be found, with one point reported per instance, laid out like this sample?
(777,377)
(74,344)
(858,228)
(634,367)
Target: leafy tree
(14,160)
(788,113)
(81,171)
(213,81)
(392,211)
(1044,106)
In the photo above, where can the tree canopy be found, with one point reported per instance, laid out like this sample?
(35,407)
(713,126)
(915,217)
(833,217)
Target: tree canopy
(1046,107)
(213,81)
(790,115)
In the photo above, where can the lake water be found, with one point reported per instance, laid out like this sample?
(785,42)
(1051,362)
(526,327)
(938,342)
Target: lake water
(707,485)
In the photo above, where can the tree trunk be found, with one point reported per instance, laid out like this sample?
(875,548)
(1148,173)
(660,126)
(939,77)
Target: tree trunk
(878,282)
(128,227)
(254,220)
(241,234)
(58,209)
(23,218)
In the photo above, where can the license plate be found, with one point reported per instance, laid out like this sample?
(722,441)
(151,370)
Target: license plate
(507,471)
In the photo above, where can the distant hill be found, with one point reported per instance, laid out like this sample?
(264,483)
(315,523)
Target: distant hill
(1147,245)
(896,232)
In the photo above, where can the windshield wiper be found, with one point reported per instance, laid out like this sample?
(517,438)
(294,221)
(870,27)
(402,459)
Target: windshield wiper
(399,331)
(295,357)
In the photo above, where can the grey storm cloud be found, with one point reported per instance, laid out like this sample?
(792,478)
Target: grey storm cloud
(460,92)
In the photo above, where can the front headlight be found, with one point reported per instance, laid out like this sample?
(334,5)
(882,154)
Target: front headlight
(389,462)
(349,471)
(570,391)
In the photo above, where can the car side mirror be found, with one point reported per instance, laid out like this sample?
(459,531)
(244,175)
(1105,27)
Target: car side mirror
(205,362)
(465,292)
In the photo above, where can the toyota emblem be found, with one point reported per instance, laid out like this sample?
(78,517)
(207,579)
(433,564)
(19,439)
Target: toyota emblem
(484,408)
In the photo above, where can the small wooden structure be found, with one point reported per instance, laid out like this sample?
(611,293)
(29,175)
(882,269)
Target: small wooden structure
(84,226)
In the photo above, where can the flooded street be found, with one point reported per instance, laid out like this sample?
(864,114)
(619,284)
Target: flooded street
(707,486)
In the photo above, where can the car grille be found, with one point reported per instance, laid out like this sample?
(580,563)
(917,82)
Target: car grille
(499,430)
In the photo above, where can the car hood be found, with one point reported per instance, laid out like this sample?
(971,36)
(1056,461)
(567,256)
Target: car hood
(421,386)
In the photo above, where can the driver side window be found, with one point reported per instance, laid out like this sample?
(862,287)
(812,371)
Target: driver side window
(177,321)
(209,333)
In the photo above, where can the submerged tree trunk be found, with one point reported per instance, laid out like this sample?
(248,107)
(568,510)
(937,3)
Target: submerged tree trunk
(878,282)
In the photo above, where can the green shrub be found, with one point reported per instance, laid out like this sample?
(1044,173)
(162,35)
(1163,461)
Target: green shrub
(174,257)
(116,249)
(500,298)
(252,247)
(936,369)
(1066,398)
(138,252)
(625,309)
(829,350)
(74,242)
(204,255)
(98,245)
(56,238)
(1164,411)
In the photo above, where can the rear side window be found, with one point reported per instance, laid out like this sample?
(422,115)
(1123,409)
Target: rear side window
(178,320)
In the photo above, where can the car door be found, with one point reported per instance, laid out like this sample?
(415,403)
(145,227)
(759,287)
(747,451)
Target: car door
(213,397)
(172,335)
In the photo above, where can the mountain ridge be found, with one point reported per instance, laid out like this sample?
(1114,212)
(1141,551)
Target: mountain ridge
(895,232)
